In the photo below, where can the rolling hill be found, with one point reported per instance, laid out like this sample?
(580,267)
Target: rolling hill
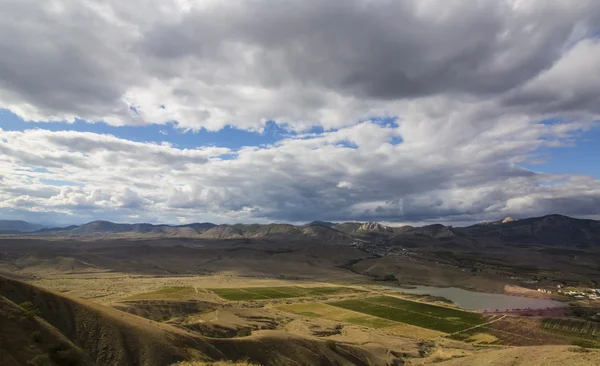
(16,226)
(41,326)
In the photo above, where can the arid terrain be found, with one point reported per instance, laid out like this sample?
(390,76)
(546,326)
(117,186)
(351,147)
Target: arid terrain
(319,294)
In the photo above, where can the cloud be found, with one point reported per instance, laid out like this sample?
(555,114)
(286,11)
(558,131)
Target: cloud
(208,64)
(474,90)
(432,175)
(571,85)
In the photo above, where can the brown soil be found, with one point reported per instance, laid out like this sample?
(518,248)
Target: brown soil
(524,356)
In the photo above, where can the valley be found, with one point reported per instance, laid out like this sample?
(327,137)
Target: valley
(311,295)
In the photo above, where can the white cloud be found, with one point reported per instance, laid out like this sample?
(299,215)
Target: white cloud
(436,174)
(467,82)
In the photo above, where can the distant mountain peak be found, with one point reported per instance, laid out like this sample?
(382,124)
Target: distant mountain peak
(508,219)
(374,226)
(323,223)
(19,226)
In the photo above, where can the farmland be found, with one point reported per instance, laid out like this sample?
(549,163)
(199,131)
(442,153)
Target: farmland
(325,311)
(282,292)
(414,313)
(583,333)
(579,327)
(524,331)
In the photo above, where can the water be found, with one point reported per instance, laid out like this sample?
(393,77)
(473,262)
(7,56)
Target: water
(481,301)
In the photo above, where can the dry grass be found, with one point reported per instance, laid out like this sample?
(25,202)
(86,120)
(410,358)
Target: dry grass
(411,331)
(216,363)
(108,288)
(523,356)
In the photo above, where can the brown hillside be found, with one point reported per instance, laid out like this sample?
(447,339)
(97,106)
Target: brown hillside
(27,340)
(108,336)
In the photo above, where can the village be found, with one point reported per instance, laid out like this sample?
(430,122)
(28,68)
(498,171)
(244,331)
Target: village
(589,293)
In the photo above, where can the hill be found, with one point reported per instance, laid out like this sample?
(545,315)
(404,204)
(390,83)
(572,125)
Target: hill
(71,331)
(107,228)
(551,230)
(15,226)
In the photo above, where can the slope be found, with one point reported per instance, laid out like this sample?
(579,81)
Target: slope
(107,336)
(18,226)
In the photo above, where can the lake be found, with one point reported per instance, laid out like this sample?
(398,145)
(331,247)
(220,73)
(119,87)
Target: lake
(481,301)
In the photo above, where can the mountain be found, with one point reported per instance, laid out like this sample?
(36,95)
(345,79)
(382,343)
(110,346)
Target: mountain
(375,226)
(348,227)
(107,228)
(326,233)
(323,223)
(15,226)
(201,230)
(551,230)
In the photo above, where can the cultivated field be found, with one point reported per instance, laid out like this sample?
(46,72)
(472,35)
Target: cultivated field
(580,327)
(325,311)
(584,333)
(524,331)
(414,313)
(283,292)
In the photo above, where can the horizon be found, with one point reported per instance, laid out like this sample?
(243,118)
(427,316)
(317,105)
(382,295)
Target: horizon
(210,111)
(388,224)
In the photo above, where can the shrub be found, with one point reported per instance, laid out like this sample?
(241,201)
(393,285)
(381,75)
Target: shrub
(29,309)
(40,360)
(36,336)
(64,355)
(244,332)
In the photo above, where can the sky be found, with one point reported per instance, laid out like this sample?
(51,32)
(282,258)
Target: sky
(407,111)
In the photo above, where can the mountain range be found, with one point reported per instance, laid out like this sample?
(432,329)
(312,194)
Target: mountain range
(551,230)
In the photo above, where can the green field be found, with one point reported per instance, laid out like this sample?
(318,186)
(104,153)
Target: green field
(415,313)
(282,292)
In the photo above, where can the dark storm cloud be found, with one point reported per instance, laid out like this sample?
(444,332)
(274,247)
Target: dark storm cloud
(301,61)
(381,49)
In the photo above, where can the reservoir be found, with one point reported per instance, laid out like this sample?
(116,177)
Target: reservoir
(481,301)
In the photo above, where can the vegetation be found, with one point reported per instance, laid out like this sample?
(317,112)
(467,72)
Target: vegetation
(575,326)
(36,336)
(243,332)
(583,333)
(325,311)
(215,363)
(29,309)
(40,360)
(283,292)
(415,313)
(62,354)
(480,335)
